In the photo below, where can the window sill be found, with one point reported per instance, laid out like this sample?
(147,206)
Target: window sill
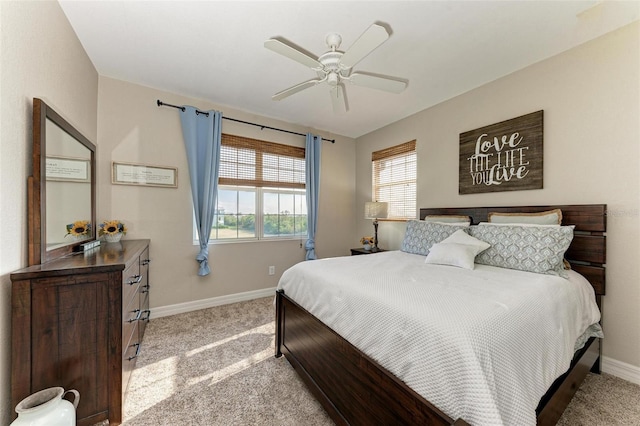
(252,241)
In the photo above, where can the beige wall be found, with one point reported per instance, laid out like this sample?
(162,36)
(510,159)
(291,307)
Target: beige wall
(133,129)
(590,96)
(40,56)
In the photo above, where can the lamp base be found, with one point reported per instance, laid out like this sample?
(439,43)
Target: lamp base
(375,238)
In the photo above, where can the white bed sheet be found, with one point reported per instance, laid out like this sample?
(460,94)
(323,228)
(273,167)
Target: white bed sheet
(482,344)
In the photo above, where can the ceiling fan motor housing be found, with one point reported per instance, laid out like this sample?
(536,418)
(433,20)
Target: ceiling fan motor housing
(331,69)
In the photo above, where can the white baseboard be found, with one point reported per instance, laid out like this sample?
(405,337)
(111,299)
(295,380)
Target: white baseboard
(180,308)
(625,371)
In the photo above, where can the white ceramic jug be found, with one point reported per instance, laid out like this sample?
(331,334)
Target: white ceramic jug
(47,408)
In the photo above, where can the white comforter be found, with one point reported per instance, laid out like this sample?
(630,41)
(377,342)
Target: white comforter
(483,345)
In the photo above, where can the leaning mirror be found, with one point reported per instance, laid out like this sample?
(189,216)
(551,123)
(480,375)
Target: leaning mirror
(62,188)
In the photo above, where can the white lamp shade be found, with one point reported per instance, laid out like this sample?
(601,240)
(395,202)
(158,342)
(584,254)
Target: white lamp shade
(375,210)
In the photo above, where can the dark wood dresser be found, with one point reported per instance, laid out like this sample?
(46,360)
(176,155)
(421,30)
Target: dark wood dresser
(78,322)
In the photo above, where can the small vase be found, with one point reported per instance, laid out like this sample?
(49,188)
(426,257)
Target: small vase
(367,246)
(113,238)
(47,408)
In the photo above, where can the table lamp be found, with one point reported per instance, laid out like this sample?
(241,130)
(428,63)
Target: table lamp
(375,210)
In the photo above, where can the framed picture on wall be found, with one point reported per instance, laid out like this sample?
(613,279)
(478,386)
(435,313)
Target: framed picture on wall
(140,174)
(505,156)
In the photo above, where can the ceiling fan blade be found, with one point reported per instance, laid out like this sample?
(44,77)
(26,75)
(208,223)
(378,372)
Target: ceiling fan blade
(295,89)
(291,52)
(387,84)
(373,37)
(338,100)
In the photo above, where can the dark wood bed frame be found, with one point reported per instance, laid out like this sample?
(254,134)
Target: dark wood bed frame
(355,390)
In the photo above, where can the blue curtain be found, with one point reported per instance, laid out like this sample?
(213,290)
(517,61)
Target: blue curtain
(202,133)
(312,158)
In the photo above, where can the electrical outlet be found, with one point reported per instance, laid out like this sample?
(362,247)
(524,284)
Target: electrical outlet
(272,270)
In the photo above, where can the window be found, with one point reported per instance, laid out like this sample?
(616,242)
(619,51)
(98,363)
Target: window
(394,179)
(261,191)
(235,214)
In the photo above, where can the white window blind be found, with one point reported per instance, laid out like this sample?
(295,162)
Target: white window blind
(394,179)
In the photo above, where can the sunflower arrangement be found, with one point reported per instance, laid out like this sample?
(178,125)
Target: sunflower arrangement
(366,240)
(112,227)
(79,228)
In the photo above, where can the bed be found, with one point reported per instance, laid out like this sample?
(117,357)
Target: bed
(356,389)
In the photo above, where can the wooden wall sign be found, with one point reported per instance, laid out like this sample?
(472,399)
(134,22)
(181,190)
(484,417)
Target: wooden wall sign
(505,156)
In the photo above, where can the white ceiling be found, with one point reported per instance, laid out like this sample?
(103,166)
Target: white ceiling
(213,50)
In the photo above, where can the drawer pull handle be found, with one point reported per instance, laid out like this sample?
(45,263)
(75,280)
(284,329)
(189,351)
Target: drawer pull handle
(137,345)
(137,317)
(136,279)
(147,312)
(146,288)
(146,261)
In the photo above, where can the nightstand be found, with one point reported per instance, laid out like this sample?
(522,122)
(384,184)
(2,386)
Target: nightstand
(357,251)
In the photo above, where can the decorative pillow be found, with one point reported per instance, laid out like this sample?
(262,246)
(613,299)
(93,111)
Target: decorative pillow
(460,255)
(448,218)
(550,217)
(461,237)
(459,249)
(565,262)
(421,235)
(537,249)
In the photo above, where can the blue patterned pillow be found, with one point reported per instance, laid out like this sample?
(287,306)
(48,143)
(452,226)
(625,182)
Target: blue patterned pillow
(530,248)
(421,235)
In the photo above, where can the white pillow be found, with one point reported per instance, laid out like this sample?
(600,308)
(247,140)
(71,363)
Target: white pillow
(460,255)
(459,249)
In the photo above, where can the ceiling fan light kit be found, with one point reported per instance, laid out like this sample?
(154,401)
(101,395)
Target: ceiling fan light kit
(335,67)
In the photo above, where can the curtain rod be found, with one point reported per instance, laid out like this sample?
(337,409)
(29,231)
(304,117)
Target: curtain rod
(262,127)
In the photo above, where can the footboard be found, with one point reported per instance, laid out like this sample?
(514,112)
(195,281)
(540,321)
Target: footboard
(352,388)
(559,395)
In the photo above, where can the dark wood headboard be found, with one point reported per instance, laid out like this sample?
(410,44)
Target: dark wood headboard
(587,252)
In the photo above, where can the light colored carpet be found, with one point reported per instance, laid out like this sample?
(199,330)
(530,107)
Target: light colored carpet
(216,367)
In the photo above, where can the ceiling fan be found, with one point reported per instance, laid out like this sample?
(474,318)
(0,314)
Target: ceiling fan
(335,67)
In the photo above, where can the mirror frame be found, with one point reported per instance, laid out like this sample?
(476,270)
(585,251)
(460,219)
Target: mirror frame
(37,188)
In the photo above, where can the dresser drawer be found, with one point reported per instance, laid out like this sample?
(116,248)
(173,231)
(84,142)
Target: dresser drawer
(145,313)
(129,357)
(131,316)
(131,279)
(144,259)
